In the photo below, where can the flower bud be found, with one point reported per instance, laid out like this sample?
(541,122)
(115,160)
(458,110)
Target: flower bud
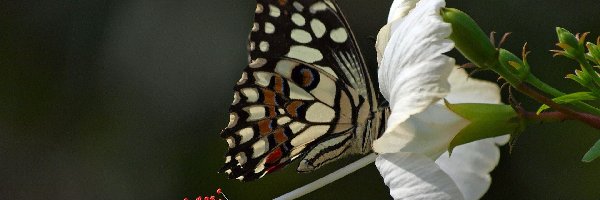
(515,65)
(469,39)
(571,45)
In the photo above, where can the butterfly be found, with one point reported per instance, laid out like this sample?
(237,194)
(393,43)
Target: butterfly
(306,93)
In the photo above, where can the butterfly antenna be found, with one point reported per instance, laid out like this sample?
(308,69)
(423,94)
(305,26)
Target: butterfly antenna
(219,191)
(340,173)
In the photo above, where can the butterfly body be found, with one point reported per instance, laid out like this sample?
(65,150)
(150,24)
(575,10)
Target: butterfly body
(306,92)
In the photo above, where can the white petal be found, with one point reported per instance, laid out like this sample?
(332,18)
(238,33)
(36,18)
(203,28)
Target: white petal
(413,72)
(427,133)
(470,165)
(465,89)
(430,131)
(383,37)
(400,8)
(413,176)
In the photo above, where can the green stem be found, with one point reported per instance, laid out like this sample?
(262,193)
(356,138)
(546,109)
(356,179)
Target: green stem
(506,74)
(537,83)
(591,120)
(545,117)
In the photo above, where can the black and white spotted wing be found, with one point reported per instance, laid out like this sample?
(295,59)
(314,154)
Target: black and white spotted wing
(305,94)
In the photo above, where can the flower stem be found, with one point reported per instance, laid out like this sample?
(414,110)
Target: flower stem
(546,116)
(537,83)
(591,120)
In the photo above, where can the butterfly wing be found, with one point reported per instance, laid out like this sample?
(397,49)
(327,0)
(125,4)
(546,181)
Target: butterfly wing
(304,93)
(314,32)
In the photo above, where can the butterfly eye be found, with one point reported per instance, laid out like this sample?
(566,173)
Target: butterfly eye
(306,77)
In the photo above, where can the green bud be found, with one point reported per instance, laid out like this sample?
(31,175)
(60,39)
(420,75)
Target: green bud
(469,39)
(593,52)
(569,43)
(515,65)
(566,37)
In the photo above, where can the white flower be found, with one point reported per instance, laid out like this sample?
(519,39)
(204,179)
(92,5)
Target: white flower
(414,76)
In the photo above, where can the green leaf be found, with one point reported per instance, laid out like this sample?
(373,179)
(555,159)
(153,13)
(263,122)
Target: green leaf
(593,153)
(487,121)
(569,98)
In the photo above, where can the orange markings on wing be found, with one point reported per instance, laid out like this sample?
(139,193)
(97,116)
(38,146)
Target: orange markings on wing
(307,78)
(269,97)
(272,112)
(282,2)
(292,108)
(278,84)
(264,127)
(280,136)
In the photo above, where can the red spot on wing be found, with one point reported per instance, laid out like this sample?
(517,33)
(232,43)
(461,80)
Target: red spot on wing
(274,160)
(274,156)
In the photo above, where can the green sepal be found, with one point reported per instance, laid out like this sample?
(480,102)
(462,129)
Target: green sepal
(584,79)
(576,79)
(486,121)
(580,77)
(569,98)
(469,39)
(593,153)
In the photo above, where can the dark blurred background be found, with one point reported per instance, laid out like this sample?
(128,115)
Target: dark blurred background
(125,99)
